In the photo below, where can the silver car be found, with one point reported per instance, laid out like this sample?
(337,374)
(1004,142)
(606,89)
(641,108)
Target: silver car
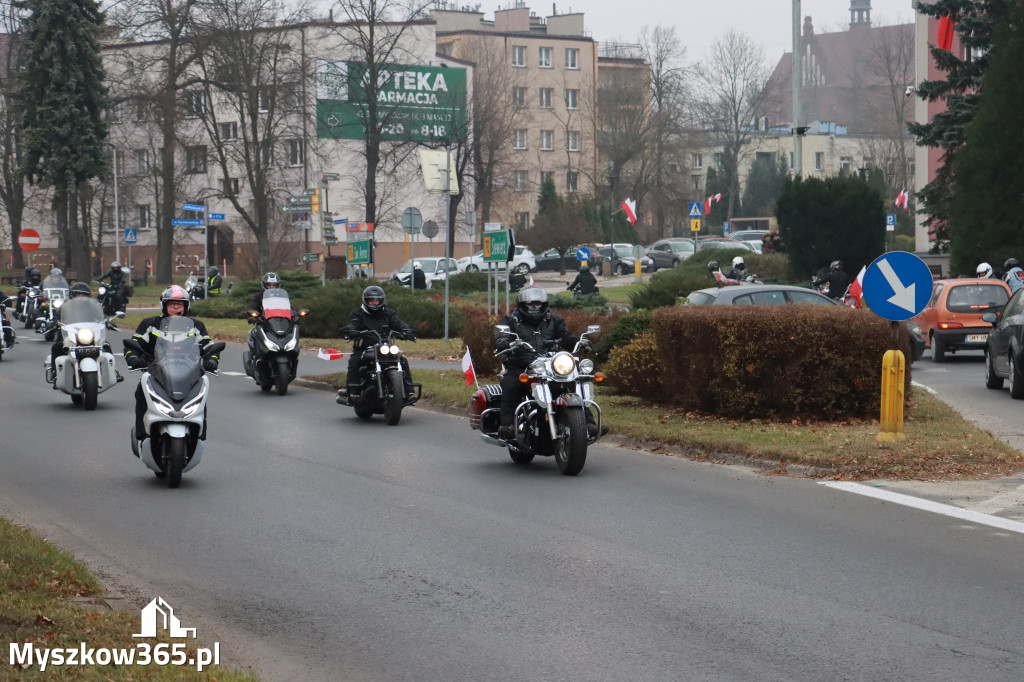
(668,253)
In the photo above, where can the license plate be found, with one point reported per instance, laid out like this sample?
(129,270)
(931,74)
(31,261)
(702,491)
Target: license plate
(977,338)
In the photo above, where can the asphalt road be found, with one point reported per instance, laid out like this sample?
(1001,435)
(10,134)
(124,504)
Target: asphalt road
(318,547)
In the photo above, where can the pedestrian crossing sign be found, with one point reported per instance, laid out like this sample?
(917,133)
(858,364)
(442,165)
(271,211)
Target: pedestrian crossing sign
(130,235)
(695,209)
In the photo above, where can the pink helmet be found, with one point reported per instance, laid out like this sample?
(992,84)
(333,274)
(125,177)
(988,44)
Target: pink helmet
(173,293)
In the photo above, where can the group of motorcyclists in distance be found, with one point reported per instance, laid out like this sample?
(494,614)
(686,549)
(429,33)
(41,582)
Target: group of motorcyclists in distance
(737,274)
(1013,274)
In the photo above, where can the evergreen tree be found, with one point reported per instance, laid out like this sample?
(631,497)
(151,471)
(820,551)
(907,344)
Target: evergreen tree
(987,213)
(62,99)
(974,24)
(838,218)
(764,184)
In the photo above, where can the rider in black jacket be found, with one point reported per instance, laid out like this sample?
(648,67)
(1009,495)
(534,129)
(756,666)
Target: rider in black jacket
(585,282)
(373,314)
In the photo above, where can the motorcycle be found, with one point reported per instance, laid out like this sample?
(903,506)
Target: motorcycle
(87,369)
(196,290)
(550,420)
(176,389)
(113,297)
(821,286)
(29,299)
(56,291)
(382,379)
(273,356)
(7,336)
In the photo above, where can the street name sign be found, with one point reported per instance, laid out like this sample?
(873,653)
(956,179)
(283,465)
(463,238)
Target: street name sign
(897,285)
(186,221)
(216,216)
(310,257)
(194,207)
(496,247)
(360,252)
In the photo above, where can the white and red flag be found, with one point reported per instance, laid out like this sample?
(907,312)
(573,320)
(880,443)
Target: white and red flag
(467,368)
(329,354)
(857,288)
(629,206)
(707,202)
(903,200)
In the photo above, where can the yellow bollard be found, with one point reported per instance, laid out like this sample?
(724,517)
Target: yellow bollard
(893,375)
(636,268)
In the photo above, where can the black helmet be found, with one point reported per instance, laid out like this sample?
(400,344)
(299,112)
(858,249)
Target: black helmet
(271,278)
(116,265)
(35,273)
(532,303)
(584,268)
(80,289)
(713,266)
(214,271)
(836,266)
(373,291)
(1010,264)
(173,293)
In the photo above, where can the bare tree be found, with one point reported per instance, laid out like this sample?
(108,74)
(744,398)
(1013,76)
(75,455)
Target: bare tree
(733,86)
(12,180)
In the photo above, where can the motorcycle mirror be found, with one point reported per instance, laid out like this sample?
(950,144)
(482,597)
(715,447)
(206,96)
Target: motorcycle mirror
(593,328)
(214,348)
(119,314)
(502,328)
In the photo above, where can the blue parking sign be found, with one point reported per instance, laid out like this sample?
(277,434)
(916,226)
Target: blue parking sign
(897,285)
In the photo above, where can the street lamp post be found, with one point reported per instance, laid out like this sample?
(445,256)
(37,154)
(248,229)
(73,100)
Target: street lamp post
(117,223)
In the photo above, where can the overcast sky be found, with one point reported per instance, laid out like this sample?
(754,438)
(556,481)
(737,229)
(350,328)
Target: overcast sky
(699,22)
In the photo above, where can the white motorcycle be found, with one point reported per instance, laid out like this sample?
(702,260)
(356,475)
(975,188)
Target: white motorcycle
(176,389)
(88,367)
(7,336)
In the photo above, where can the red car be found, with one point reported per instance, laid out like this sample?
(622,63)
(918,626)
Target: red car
(952,320)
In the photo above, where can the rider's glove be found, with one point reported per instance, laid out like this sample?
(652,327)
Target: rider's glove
(210,364)
(409,335)
(135,362)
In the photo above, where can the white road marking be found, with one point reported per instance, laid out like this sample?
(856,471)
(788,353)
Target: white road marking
(232,374)
(929,506)
(1011,498)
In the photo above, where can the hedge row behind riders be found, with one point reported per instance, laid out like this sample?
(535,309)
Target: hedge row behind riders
(372,314)
(174,301)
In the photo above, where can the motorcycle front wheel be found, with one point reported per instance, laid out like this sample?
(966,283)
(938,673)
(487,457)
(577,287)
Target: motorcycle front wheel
(174,451)
(90,389)
(571,446)
(281,381)
(395,396)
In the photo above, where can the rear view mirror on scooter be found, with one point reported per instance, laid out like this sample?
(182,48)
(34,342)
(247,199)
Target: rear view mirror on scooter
(214,348)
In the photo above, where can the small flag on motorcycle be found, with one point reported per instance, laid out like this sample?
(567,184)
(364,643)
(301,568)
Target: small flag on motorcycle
(329,354)
(468,370)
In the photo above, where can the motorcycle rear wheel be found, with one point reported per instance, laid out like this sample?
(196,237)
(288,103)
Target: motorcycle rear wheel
(571,447)
(90,389)
(174,449)
(393,398)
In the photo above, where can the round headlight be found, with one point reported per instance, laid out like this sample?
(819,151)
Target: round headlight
(58,303)
(85,336)
(394,350)
(563,364)
(537,366)
(587,366)
(384,349)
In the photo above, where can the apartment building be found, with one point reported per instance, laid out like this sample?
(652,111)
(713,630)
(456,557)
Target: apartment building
(534,97)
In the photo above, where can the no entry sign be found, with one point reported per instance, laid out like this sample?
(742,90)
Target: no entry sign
(28,239)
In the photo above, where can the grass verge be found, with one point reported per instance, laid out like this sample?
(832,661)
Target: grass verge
(38,582)
(939,444)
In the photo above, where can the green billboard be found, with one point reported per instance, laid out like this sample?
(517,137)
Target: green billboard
(414,102)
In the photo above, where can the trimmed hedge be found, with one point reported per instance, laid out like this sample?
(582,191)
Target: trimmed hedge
(764,362)
(623,331)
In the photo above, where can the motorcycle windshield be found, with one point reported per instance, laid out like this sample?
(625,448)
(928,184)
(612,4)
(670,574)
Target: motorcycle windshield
(176,362)
(55,286)
(79,310)
(276,304)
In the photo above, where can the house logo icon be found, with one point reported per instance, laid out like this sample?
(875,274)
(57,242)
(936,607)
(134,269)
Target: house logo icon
(158,613)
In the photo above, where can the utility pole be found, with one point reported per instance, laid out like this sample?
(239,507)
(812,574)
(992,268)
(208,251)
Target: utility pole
(798,147)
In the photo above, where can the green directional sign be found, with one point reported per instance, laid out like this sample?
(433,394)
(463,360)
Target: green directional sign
(360,253)
(330,238)
(310,257)
(496,246)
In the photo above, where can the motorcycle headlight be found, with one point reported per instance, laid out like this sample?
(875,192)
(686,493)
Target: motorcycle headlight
(270,344)
(394,350)
(384,349)
(161,405)
(58,303)
(537,367)
(85,336)
(31,294)
(292,344)
(563,364)
(102,290)
(192,406)
(586,366)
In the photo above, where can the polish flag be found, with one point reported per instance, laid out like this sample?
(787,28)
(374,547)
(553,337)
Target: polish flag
(944,38)
(857,288)
(903,200)
(467,368)
(629,206)
(707,202)
(329,354)
(531,280)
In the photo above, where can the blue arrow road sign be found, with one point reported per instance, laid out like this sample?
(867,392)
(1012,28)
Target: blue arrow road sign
(130,235)
(897,285)
(583,254)
(186,221)
(216,216)
(194,207)
(696,209)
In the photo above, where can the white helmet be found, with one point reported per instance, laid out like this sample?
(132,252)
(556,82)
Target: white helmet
(416,265)
(984,270)
(737,262)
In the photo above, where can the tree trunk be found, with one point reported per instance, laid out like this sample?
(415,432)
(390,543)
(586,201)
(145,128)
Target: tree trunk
(164,229)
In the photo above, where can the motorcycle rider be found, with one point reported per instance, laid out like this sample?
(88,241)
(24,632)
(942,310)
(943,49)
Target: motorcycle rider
(271,280)
(738,271)
(716,274)
(837,279)
(33,278)
(214,281)
(1014,275)
(419,278)
(173,302)
(535,324)
(78,290)
(585,282)
(116,275)
(984,270)
(372,314)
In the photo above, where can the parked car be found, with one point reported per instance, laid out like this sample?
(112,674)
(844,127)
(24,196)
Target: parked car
(1005,345)
(952,320)
(722,243)
(433,268)
(523,260)
(752,237)
(622,260)
(668,253)
(758,294)
(550,260)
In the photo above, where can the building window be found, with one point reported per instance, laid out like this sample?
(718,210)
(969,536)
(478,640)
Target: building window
(229,131)
(572,140)
(545,98)
(546,137)
(144,217)
(547,175)
(519,139)
(116,112)
(572,99)
(544,58)
(846,163)
(572,181)
(819,161)
(523,220)
(195,159)
(108,218)
(229,186)
(696,160)
(518,96)
(295,152)
(519,55)
(268,153)
(696,180)
(140,109)
(142,159)
(195,103)
(791,166)
(520,180)
(572,58)
(264,99)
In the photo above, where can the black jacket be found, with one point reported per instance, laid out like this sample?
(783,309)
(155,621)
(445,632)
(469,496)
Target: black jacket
(116,277)
(419,279)
(586,282)
(362,319)
(148,342)
(544,335)
(838,282)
